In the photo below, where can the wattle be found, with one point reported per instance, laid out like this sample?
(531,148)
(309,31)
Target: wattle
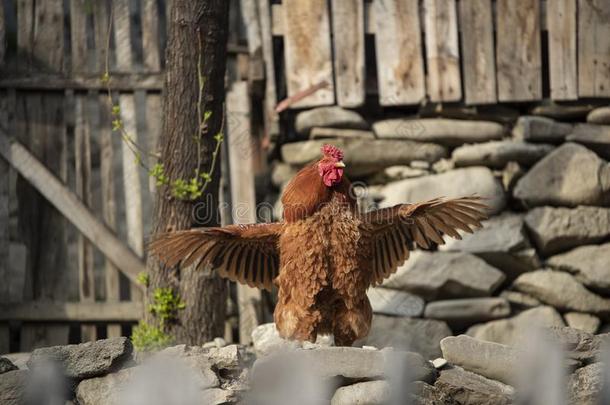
(332,177)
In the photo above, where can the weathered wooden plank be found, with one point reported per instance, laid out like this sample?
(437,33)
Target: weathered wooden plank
(48,40)
(308,51)
(25,32)
(2,36)
(242,194)
(561,23)
(442,50)
(400,67)
(593,48)
(70,206)
(476,23)
(5,263)
(101,34)
(348,39)
(249,12)
(78,35)
(52,311)
(122,35)
(154,115)
(518,50)
(118,81)
(150,35)
(271,119)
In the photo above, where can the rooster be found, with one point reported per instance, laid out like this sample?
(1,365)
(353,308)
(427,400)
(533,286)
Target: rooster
(325,254)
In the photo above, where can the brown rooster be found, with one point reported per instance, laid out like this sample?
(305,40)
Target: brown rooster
(325,254)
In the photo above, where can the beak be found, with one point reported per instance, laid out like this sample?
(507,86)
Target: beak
(340,164)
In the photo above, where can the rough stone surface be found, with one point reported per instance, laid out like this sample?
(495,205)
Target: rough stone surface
(333,116)
(266,340)
(441,275)
(417,335)
(395,302)
(519,299)
(594,137)
(466,311)
(491,360)
(12,387)
(6,365)
(540,129)
(514,331)
(580,346)
(589,264)
(600,115)
(456,183)
(569,176)
(439,130)
(562,291)
(364,393)
(562,112)
(557,229)
(585,322)
(333,133)
(364,156)
(19,359)
(86,360)
(497,154)
(585,385)
(469,388)
(106,390)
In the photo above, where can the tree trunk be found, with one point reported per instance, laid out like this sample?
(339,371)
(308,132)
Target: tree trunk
(197,30)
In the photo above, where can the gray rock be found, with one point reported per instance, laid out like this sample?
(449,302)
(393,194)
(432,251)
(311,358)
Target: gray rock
(594,137)
(6,365)
(585,385)
(266,340)
(107,390)
(331,133)
(600,116)
(364,156)
(364,393)
(231,357)
(519,299)
(510,176)
(417,335)
(395,302)
(395,173)
(472,389)
(571,175)
(540,129)
(580,346)
(491,360)
(463,312)
(456,183)
(516,330)
(442,275)
(334,117)
(86,360)
(193,360)
(12,387)
(588,263)
(19,359)
(426,394)
(218,396)
(282,173)
(557,229)
(562,291)
(496,154)
(562,112)
(439,130)
(501,242)
(585,322)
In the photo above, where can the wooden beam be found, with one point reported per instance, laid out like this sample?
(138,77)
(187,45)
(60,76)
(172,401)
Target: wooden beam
(118,81)
(50,311)
(70,206)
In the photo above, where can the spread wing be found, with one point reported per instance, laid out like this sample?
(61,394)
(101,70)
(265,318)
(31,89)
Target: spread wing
(393,232)
(247,254)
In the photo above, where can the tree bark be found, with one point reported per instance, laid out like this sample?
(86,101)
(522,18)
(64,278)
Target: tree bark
(197,30)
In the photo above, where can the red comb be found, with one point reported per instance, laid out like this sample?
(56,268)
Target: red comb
(332,151)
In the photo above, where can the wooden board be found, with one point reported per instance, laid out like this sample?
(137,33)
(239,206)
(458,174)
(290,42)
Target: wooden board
(270,117)
(476,24)
(49,311)
(561,23)
(48,36)
(400,68)
(518,56)
(593,48)
(442,50)
(150,35)
(78,35)
(101,20)
(348,39)
(122,35)
(308,51)
(2,36)
(5,271)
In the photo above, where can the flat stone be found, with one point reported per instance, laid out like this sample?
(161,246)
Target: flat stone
(466,311)
(442,275)
(230,357)
(491,360)
(594,137)
(514,331)
(6,365)
(395,173)
(12,387)
(600,115)
(496,154)
(473,389)
(455,183)
(519,299)
(579,345)
(554,230)
(85,360)
(364,393)
(586,384)
(266,340)
(581,321)
(417,335)
(439,130)
(395,302)
(569,176)
(510,175)
(426,394)
(331,133)
(19,359)
(106,390)
(540,129)
(563,112)
(192,360)
(502,242)
(282,173)
(334,116)
(365,156)
(588,263)
(562,291)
